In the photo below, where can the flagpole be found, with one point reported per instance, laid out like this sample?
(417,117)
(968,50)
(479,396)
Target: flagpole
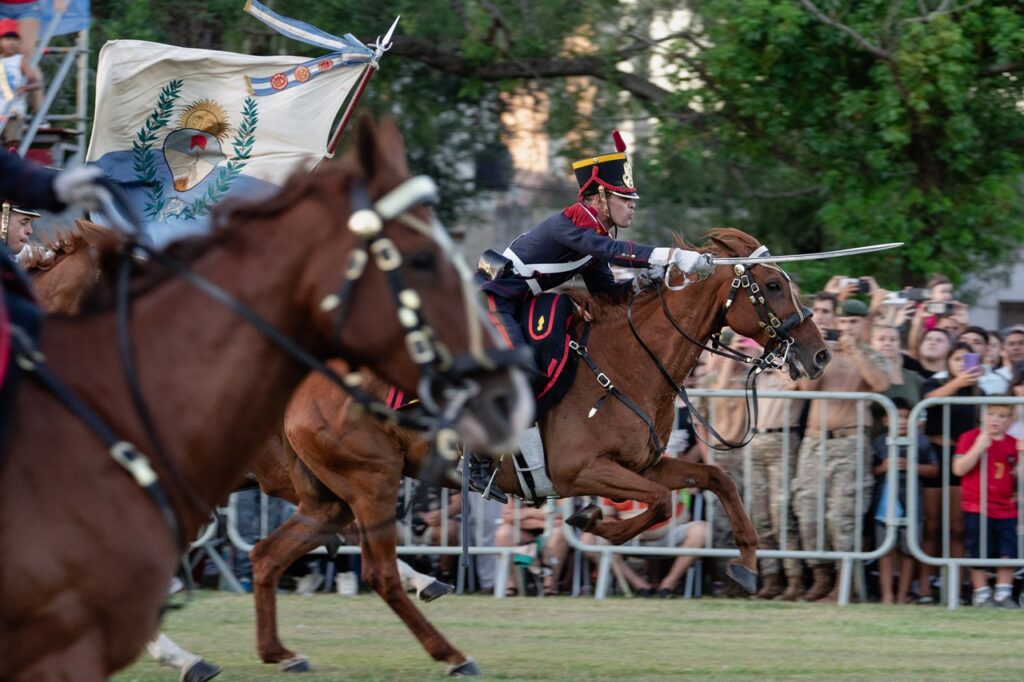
(381,47)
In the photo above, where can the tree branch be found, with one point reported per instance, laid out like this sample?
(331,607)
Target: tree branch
(858,38)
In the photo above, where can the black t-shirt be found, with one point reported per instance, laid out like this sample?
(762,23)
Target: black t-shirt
(962,418)
(914,366)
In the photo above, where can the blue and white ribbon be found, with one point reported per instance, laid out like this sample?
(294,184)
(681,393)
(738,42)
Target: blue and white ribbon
(347,45)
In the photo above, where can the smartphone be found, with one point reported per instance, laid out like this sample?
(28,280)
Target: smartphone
(917,294)
(895,299)
(939,308)
(832,334)
(862,284)
(971,361)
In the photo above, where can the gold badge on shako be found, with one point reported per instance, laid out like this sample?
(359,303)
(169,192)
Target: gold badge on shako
(627,174)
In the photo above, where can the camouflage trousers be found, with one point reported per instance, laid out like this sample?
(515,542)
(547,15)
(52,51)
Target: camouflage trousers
(842,487)
(772,469)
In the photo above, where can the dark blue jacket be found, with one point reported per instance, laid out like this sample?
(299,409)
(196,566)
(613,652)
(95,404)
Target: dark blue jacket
(559,240)
(27,184)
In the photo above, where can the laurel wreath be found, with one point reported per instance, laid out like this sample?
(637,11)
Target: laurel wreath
(144,163)
(142,160)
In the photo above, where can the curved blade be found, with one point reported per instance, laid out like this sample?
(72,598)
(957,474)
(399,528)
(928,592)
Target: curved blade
(741,260)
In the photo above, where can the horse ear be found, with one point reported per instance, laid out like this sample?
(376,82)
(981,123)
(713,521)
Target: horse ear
(722,245)
(366,144)
(391,145)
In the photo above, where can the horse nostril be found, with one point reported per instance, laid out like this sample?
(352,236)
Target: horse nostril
(822,357)
(502,402)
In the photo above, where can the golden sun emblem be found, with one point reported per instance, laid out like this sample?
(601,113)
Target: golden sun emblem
(627,174)
(208,116)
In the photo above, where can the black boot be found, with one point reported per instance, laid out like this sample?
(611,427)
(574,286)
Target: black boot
(481,470)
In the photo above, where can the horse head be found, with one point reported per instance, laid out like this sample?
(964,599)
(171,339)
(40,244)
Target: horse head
(760,301)
(403,304)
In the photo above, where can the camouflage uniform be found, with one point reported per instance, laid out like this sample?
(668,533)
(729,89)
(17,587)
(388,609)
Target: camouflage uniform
(771,467)
(841,487)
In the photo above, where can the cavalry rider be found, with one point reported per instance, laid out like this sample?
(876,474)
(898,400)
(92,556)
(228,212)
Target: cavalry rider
(16,227)
(579,240)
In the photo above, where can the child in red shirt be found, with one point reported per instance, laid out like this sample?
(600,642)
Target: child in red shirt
(1002,467)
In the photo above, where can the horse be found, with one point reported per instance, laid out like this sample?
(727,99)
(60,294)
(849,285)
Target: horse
(340,469)
(76,532)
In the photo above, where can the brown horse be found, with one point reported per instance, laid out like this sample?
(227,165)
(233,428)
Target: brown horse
(66,268)
(86,554)
(336,468)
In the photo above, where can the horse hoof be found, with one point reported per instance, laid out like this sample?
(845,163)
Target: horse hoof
(585,518)
(746,578)
(201,671)
(468,669)
(296,664)
(435,590)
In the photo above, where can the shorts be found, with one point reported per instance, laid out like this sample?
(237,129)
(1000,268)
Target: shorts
(1002,537)
(667,536)
(14,130)
(21,10)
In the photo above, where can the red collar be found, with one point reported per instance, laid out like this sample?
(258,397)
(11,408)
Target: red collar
(581,216)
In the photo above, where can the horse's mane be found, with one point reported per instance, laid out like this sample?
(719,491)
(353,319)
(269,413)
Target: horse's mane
(226,220)
(49,252)
(721,241)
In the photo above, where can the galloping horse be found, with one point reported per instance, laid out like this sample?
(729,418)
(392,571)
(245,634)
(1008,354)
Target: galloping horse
(86,552)
(342,468)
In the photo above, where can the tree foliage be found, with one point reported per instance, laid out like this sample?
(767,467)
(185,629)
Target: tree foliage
(814,124)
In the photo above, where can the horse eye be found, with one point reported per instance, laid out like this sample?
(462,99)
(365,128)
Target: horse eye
(423,260)
(774,286)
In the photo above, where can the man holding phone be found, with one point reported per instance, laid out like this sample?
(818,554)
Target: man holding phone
(831,441)
(989,382)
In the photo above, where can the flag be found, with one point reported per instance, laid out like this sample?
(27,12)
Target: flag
(182,129)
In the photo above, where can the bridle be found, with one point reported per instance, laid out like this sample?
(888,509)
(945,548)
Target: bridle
(774,355)
(441,372)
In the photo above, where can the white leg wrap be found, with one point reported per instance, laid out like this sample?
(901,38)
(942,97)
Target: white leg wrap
(166,652)
(411,578)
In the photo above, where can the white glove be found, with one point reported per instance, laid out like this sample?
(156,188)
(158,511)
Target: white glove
(687,261)
(644,278)
(78,187)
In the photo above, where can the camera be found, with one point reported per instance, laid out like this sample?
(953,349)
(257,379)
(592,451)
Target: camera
(862,284)
(895,299)
(917,294)
(939,308)
(832,334)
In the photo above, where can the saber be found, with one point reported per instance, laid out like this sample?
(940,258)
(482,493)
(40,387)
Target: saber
(761,255)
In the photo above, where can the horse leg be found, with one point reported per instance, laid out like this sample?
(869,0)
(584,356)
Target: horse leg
(193,668)
(428,588)
(675,474)
(608,479)
(376,514)
(299,535)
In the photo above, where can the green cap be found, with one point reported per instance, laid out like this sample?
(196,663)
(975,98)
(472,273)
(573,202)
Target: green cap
(851,307)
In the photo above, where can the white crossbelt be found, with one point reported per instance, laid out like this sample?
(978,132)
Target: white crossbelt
(528,271)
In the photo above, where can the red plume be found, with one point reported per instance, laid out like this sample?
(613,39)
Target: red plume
(620,144)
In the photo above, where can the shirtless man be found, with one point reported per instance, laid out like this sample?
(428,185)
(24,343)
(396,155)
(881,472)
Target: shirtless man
(832,426)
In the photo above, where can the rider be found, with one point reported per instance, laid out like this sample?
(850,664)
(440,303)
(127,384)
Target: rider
(581,239)
(16,226)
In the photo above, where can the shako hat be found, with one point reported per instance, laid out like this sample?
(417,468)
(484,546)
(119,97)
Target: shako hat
(611,171)
(5,218)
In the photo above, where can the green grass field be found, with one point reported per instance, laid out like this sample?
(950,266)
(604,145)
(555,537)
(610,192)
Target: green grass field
(357,638)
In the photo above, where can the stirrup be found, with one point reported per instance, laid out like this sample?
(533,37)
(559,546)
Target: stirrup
(477,472)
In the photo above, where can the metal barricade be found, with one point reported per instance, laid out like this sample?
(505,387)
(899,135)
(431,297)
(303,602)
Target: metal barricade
(952,565)
(481,546)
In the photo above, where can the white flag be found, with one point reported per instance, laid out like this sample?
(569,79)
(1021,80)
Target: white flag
(182,128)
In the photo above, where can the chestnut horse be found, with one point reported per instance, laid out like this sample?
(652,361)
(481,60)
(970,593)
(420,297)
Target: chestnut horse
(66,268)
(87,555)
(338,468)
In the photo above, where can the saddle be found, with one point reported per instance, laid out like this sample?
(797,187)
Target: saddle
(546,322)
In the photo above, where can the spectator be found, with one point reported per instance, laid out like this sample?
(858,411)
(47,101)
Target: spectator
(927,466)
(954,382)
(19,79)
(833,426)
(1017,391)
(675,532)
(994,353)
(824,309)
(1000,457)
(772,461)
(930,354)
(424,518)
(989,382)
(903,382)
(941,288)
(1013,350)
(527,525)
